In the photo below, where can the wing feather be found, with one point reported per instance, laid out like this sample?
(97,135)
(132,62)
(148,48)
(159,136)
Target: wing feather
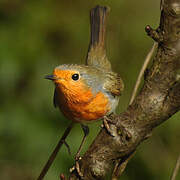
(55,99)
(114,84)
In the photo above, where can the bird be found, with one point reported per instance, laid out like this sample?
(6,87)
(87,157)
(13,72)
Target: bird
(88,92)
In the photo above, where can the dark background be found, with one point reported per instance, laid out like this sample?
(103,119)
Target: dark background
(35,37)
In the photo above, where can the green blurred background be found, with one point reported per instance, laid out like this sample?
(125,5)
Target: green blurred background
(35,37)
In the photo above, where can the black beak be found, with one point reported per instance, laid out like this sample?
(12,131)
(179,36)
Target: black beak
(50,77)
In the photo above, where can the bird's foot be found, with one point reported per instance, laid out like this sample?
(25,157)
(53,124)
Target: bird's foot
(107,122)
(76,167)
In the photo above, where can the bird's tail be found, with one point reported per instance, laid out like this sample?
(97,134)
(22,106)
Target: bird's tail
(97,52)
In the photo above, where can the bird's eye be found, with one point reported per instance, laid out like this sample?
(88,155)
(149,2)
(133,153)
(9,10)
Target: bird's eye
(75,77)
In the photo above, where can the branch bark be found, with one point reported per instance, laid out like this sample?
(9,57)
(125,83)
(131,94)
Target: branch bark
(156,102)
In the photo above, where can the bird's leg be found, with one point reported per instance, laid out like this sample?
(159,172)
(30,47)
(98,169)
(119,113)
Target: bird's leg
(86,132)
(77,157)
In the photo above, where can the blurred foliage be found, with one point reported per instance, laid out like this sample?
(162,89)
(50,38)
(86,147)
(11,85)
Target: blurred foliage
(36,36)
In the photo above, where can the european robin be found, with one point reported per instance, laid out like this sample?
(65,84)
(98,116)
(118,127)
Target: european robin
(87,93)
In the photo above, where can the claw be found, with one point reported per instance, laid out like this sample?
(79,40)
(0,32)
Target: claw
(78,168)
(106,122)
(78,158)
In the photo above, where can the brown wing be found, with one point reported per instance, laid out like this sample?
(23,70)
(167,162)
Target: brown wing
(114,84)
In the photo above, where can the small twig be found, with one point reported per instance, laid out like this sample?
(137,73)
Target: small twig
(176,169)
(144,66)
(54,153)
(67,146)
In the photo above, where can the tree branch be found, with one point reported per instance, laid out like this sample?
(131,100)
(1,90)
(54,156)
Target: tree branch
(156,102)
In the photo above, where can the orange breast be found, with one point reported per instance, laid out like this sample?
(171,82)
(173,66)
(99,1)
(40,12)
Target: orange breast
(79,110)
